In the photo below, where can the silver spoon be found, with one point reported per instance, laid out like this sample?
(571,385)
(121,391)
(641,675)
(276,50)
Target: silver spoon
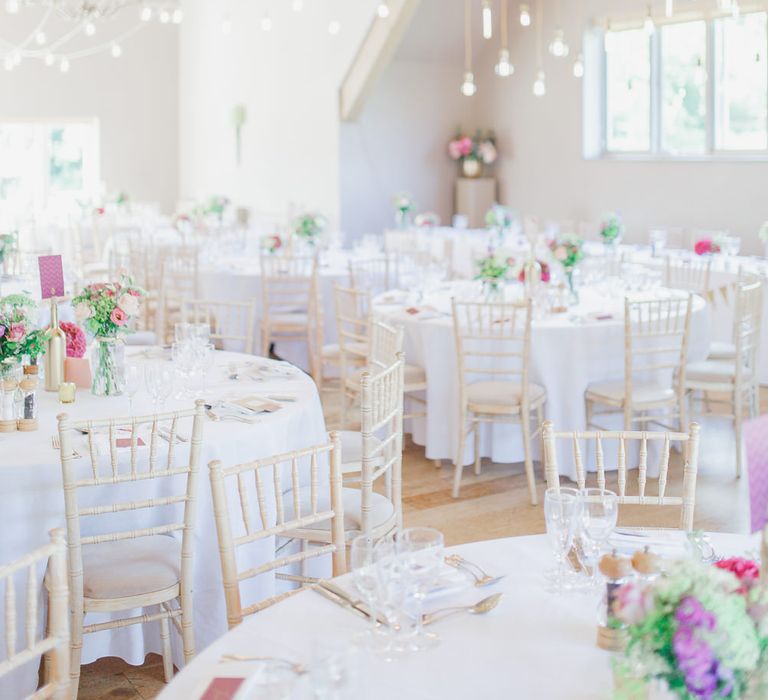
(298,669)
(481,579)
(480,608)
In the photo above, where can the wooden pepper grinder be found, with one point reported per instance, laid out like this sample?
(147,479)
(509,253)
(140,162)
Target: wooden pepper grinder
(646,564)
(611,632)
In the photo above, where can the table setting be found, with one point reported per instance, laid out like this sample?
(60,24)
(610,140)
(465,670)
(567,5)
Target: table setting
(402,622)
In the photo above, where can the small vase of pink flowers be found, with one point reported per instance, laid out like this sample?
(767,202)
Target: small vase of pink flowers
(106,310)
(473,153)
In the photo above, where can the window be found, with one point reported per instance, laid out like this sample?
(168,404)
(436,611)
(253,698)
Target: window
(47,167)
(689,89)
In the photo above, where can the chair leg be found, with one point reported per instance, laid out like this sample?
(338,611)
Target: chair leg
(738,415)
(459,462)
(478,458)
(187,629)
(265,342)
(165,640)
(438,463)
(525,424)
(75,650)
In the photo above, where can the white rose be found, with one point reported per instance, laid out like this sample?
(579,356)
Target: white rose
(129,304)
(82,312)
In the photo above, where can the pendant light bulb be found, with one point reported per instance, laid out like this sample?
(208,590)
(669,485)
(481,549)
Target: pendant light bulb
(558,48)
(578,67)
(145,14)
(383,10)
(540,84)
(669,8)
(504,67)
(487,20)
(525,16)
(468,87)
(649,25)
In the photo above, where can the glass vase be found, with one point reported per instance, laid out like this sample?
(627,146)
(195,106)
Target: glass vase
(108,367)
(403,219)
(572,291)
(492,290)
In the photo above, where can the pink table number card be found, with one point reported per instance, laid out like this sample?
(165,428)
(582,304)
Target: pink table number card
(51,276)
(756,439)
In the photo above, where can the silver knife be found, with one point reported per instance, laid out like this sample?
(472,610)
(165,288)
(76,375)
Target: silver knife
(339,601)
(358,605)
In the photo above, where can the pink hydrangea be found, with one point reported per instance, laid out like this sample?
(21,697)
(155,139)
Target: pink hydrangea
(75,339)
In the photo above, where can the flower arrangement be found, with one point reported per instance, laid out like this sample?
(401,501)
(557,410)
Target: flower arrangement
(273,243)
(75,339)
(499,218)
(106,308)
(403,203)
(182,222)
(309,227)
(568,250)
(427,219)
(7,242)
(546,272)
(481,148)
(217,206)
(493,268)
(702,630)
(18,337)
(706,247)
(612,229)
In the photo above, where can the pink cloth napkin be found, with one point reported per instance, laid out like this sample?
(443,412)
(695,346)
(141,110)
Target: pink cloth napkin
(756,439)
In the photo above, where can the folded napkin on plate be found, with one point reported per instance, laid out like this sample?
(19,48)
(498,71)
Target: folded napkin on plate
(257,404)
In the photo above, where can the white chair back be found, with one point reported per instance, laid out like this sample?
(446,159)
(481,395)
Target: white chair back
(231,322)
(691,275)
(375,275)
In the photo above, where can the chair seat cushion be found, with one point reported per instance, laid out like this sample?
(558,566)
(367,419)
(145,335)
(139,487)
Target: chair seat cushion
(720,350)
(501,394)
(382,509)
(354,350)
(130,567)
(642,393)
(352,452)
(715,371)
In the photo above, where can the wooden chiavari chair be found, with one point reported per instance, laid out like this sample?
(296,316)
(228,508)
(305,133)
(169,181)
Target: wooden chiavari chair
(655,344)
(625,439)
(375,275)
(125,568)
(690,275)
(265,509)
(736,381)
(290,303)
(494,340)
(179,280)
(229,321)
(55,644)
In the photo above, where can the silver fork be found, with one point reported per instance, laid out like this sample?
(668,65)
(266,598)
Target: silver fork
(481,577)
(57,446)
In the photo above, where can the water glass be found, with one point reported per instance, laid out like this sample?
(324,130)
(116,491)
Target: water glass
(132,382)
(561,513)
(363,565)
(597,520)
(159,381)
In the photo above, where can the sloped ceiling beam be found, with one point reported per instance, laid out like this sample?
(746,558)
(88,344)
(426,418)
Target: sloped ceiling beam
(373,56)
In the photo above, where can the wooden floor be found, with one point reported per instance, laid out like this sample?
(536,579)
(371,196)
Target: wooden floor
(494,504)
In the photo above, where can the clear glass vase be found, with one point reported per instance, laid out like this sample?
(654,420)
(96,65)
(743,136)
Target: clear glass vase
(403,219)
(108,367)
(573,292)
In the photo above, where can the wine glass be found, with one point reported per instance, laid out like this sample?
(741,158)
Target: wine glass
(361,556)
(561,511)
(421,552)
(203,358)
(391,594)
(159,382)
(597,520)
(132,381)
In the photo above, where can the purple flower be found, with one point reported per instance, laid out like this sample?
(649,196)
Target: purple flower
(690,612)
(2,330)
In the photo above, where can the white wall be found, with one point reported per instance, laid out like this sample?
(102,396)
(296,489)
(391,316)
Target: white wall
(288,79)
(133,97)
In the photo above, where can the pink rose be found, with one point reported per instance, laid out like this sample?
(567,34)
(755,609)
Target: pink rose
(118,316)
(129,304)
(17,333)
(454,150)
(465,145)
(561,253)
(82,312)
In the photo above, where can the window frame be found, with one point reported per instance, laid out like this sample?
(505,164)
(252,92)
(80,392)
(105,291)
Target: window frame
(655,152)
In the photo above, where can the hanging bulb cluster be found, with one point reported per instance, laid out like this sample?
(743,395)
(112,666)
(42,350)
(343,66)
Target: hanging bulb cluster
(558,48)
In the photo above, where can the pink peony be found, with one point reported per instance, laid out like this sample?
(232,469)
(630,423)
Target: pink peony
(17,332)
(454,150)
(75,339)
(129,304)
(705,246)
(465,145)
(488,152)
(746,570)
(118,316)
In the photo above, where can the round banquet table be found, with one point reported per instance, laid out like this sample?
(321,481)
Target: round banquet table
(568,351)
(534,644)
(239,279)
(31,496)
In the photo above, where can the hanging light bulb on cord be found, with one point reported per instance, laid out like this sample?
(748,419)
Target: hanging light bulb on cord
(578,67)
(648,25)
(525,15)
(540,84)
(468,87)
(383,10)
(487,20)
(504,67)
(558,48)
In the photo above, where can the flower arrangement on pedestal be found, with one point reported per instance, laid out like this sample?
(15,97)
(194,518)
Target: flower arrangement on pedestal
(427,219)
(403,207)
(309,228)
(106,310)
(18,336)
(612,229)
(701,631)
(473,153)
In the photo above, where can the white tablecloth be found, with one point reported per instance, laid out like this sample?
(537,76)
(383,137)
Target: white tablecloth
(568,351)
(32,502)
(239,279)
(535,644)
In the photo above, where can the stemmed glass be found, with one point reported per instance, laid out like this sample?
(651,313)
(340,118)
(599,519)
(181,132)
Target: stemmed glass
(203,358)
(183,364)
(561,513)
(421,552)
(391,593)
(132,381)
(362,562)
(159,381)
(597,520)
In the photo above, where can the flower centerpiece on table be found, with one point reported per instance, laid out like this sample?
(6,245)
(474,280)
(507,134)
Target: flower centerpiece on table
(568,250)
(492,271)
(473,153)
(612,229)
(499,219)
(106,310)
(76,367)
(701,631)
(19,339)
(7,244)
(272,244)
(217,207)
(427,219)
(403,207)
(309,228)
(545,274)
(706,246)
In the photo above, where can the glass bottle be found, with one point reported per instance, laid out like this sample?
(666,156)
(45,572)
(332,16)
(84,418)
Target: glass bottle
(9,385)
(27,407)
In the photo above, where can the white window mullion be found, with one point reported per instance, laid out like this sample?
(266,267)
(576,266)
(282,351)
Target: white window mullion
(711,67)
(655,115)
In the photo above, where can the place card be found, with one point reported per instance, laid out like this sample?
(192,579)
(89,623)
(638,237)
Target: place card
(222,689)
(51,276)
